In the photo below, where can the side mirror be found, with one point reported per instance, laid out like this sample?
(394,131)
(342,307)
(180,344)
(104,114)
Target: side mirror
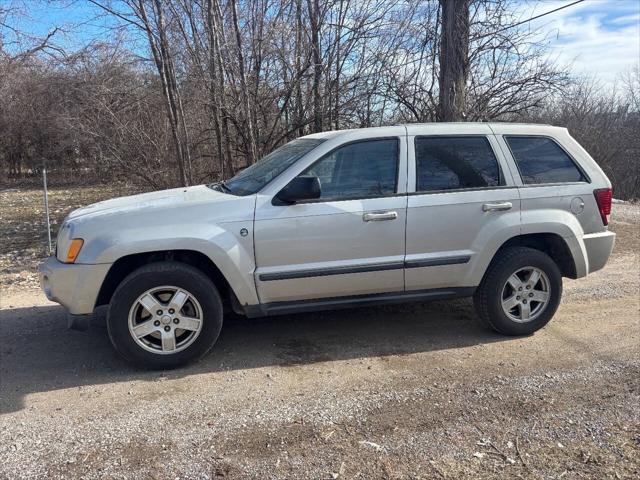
(300,188)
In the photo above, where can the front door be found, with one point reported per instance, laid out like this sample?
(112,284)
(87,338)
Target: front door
(348,242)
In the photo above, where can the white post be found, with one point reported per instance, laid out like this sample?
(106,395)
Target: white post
(46,206)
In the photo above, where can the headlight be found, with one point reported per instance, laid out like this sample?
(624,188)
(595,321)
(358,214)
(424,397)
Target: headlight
(74,250)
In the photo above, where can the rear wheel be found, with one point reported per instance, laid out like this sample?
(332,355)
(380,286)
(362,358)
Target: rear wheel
(164,315)
(520,292)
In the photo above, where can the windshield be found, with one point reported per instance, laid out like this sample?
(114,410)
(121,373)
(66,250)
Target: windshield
(253,178)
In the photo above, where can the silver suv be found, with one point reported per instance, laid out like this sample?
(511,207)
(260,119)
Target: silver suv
(500,212)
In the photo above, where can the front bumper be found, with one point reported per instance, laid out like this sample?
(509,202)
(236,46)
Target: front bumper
(74,286)
(599,247)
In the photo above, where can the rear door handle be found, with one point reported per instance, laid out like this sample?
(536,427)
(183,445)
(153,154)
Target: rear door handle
(379,216)
(497,207)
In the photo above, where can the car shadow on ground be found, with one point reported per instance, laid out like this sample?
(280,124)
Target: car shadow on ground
(38,353)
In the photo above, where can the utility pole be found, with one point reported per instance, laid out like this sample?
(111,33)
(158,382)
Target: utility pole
(454,60)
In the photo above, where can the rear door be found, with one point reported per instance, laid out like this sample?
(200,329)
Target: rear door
(461,192)
(348,242)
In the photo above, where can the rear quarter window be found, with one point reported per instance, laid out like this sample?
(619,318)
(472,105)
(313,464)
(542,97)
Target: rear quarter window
(542,160)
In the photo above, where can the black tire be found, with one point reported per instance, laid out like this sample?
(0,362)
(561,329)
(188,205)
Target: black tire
(488,296)
(155,275)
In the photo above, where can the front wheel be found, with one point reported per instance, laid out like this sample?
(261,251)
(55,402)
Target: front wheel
(164,315)
(520,292)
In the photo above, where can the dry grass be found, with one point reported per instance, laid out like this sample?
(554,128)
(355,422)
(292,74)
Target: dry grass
(23,226)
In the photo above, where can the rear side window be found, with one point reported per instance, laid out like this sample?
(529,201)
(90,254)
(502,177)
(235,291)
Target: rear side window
(449,163)
(541,160)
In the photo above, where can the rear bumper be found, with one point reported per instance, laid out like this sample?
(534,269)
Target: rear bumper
(598,247)
(74,286)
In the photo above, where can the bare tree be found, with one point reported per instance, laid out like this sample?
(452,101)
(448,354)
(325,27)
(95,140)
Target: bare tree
(235,79)
(149,17)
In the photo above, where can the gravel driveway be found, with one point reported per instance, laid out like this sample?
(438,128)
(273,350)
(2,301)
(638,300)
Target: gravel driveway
(413,391)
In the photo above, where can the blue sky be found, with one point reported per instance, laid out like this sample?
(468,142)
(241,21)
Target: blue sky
(596,37)
(80,21)
(599,37)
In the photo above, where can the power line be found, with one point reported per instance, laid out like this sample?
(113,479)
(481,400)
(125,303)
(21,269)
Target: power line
(537,16)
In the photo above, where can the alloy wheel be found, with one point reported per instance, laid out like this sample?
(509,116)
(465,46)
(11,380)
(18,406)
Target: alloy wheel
(525,294)
(165,320)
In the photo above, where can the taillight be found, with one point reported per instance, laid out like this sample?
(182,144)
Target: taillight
(603,199)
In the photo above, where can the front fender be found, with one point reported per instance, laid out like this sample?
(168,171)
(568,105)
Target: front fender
(222,243)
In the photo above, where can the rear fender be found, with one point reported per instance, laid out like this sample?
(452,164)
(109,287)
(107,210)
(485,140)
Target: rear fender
(560,223)
(563,224)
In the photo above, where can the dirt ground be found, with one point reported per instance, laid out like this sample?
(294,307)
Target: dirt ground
(403,392)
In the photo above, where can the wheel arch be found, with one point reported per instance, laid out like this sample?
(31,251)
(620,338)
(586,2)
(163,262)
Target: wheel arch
(552,244)
(128,263)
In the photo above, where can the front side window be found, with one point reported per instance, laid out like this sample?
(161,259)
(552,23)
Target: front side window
(358,170)
(452,163)
(541,160)
(252,179)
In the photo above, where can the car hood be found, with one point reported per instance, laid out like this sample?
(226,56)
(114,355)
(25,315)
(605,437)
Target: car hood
(159,200)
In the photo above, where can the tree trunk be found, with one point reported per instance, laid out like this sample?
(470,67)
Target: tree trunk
(314,20)
(251,139)
(299,117)
(454,60)
(159,49)
(342,11)
(215,95)
(222,86)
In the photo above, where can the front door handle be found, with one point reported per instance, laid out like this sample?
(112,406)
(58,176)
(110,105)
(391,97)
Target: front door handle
(379,216)
(497,207)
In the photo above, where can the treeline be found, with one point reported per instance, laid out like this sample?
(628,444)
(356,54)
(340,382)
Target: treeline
(220,83)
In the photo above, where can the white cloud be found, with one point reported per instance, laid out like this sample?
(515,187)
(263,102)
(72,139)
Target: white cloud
(597,37)
(634,17)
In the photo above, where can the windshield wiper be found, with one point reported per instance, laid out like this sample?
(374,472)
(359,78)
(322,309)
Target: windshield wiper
(225,187)
(221,187)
